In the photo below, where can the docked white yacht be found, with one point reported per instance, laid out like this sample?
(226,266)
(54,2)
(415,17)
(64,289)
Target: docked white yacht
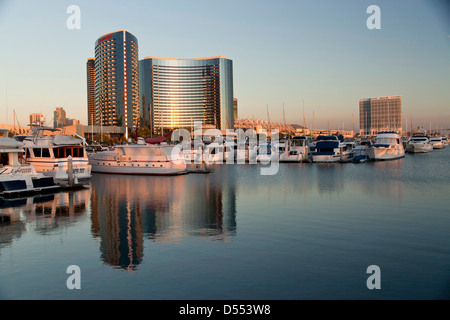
(419,144)
(140,159)
(53,155)
(387,146)
(437,143)
(445,141)
(327,149)
(295,149)
(16,176)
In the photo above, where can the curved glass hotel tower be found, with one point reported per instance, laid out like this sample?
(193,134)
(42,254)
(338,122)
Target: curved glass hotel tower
(116,80)
(175,93)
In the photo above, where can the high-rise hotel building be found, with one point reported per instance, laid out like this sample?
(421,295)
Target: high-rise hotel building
(176,93)
(380,114)
(116,80)
(90,71)
(59,118)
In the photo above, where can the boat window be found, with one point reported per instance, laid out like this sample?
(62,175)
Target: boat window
(59,152)
(68,152)
(28,153)
(37,152)
(4,159)
(45,153)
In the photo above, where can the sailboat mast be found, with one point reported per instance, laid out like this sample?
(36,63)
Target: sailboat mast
(304,121)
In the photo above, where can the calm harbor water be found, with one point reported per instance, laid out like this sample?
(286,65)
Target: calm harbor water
(308,232)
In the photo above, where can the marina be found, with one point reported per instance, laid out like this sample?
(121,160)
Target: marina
(196,155)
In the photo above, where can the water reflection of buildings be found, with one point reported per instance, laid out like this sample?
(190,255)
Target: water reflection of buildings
(128,209)
(41,213)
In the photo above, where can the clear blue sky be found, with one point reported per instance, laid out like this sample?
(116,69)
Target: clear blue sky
(283,52)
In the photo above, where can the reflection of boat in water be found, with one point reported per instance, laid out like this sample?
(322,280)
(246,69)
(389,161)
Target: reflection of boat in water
(17,177)
(54,155)
(387,146)
(46,211)
(140,159)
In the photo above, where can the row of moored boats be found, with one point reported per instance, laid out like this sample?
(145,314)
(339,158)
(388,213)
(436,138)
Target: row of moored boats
(39,162)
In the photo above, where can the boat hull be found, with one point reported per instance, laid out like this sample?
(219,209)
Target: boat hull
(419,148)
(321,158)
(381,153)
(18,184)
(155,169)
(299,157)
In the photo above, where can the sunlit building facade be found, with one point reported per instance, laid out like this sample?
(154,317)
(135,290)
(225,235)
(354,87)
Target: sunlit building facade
(37,118)
(176,93)
(116,80)
(59,118)
(380,114)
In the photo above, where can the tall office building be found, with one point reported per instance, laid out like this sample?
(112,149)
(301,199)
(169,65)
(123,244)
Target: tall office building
(116,80)
(175,93)
(380,114)
(90,70)
(59,118)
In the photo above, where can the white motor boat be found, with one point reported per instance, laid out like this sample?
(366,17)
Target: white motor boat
(445,141)
(437,143)
(327,149)
(140,159)
(16,176)
(419,144)
(295,149)
(347,151)
(387,146)
(53,155)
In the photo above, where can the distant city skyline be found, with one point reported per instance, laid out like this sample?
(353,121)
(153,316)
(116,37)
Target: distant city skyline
(283,52)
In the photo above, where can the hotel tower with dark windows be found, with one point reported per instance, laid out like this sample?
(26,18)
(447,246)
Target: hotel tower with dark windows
(176,93)
(90,70)
(116,80)
(380,114)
